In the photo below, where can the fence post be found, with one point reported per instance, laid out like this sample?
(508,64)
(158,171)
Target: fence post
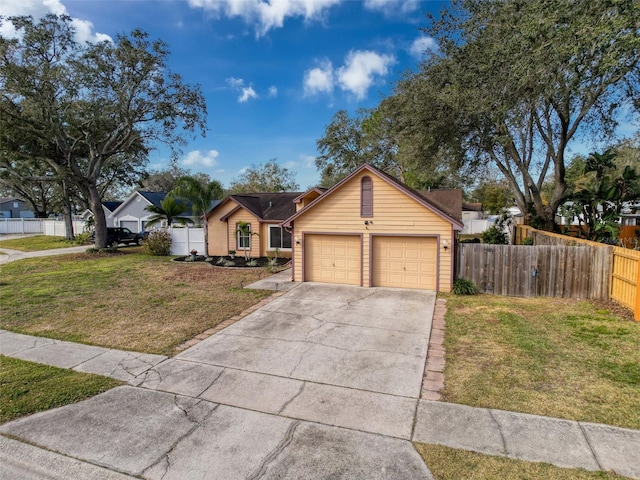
(636,310)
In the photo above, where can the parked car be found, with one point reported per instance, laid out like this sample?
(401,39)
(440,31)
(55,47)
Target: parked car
(117,235)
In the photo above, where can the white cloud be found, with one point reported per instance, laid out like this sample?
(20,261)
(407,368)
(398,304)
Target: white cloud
(319,79)
(392,8)
(247,94)
(266,14)
(273,92)
(38,9)
(235,82)
(360,70)
(197,158)
(421,45)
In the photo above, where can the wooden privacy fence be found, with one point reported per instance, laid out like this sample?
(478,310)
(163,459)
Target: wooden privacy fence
(623,276)
(529,271)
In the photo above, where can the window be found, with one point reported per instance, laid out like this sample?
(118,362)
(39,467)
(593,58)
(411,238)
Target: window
(16,205)
(279,238)
(366,198)
(244,238)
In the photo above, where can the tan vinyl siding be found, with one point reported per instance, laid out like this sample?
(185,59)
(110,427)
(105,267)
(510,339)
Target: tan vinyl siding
(218,231)
(264,241)
(394,212)
(243,216)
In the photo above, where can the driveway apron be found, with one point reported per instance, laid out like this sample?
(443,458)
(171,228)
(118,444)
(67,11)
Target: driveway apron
(321,382)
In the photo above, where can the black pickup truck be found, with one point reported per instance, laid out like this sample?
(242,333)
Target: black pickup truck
(117,235)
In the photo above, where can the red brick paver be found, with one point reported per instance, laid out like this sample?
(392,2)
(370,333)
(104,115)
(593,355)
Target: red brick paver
(433,381)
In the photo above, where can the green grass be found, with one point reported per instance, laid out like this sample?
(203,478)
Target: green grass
(126,300)
(545,356)
(35,243)
(451,464)
(27,387)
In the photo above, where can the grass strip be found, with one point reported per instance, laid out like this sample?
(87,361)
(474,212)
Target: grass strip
(451,464)
(27,387)
(546,356)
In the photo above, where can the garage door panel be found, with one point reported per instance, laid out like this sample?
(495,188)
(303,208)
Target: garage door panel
(404,262)
(333,258)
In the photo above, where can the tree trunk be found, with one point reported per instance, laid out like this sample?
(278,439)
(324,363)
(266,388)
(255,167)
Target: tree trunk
(100,220)
(67,213)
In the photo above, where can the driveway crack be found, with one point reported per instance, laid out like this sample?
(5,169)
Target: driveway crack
(292,398)
(167,455)
(271,457)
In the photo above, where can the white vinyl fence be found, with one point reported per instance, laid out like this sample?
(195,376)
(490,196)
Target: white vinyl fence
(55,228)
(183,240)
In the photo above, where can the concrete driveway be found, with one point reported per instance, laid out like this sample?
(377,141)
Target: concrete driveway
(323,382)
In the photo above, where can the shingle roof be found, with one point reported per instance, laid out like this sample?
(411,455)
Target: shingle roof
(111,206)
(268,206)
(155,198)
(448,200)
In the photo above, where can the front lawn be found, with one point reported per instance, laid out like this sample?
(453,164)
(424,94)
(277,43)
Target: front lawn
(126,300)
(37,242)
(451,464)
(27,387)
(545,356)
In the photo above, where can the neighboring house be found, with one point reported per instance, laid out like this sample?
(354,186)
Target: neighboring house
(132,213)
(472,211)
(107,208)
(264,212)
(12,207)
(372,230)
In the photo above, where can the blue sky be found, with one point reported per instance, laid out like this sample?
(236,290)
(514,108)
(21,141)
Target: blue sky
(273,73)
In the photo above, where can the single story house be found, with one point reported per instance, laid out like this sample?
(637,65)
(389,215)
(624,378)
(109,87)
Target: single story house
(132,213)
(372,230)
(13,207)
(263,212)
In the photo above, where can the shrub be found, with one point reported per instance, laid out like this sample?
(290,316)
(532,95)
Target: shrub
(527,241)
(463,286)
(158,243)
(83,238)
(494,235)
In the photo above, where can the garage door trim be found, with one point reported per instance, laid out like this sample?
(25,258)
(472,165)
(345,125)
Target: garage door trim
(436,236)
(342,234)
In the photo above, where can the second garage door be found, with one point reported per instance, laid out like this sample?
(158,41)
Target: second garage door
(332,259)
(404,262)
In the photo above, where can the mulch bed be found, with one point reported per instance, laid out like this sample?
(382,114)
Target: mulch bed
(239,262)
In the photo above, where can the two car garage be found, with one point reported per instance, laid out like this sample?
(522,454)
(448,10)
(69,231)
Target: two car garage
(392,260)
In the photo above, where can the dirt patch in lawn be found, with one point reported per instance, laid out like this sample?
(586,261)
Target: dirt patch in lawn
(129,300)
(546,356)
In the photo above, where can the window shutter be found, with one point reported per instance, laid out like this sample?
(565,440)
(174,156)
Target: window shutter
(366,197)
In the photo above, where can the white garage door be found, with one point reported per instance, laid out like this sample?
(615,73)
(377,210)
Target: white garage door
(404,262)
(332,259)
(130,224)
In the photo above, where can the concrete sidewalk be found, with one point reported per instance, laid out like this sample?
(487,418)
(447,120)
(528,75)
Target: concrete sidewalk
(118,364)
(281,281)
(360,420)
(14,255)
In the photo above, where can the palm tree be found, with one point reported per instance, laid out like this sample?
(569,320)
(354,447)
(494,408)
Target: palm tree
(170,209)
(201,196)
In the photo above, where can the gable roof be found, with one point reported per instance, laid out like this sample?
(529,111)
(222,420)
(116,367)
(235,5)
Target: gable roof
(154,198)
(417,196)
(318,190)
(273,207)
(111,206)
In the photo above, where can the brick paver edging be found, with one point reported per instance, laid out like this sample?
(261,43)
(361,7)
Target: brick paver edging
(433,380)
(230,321)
